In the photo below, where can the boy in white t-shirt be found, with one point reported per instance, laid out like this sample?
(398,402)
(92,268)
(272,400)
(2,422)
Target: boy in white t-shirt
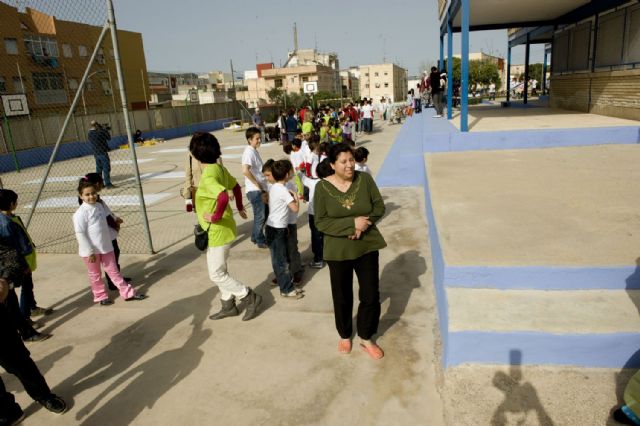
(281,202)
(361,156)
(255,185)
(293,254)
(317,238)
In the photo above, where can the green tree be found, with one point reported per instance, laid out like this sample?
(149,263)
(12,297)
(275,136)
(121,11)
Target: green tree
(535,73)
(481,73)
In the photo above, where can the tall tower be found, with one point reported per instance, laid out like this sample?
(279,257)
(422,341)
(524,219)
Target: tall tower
(295,38)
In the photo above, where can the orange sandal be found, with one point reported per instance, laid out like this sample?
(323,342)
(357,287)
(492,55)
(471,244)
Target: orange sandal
(344,346)
(373,350)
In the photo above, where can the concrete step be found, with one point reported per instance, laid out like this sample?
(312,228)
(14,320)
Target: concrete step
(589,328)
(571,312)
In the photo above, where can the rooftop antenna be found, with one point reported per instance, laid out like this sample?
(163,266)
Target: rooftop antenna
(295,38)
(315,38)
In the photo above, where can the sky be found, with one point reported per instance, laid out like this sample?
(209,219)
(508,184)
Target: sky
(201,36)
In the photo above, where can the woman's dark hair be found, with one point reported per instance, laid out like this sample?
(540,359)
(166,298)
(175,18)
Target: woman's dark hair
(324,169)
(280,169)
(7,197)
(287,147)
(338,149)
(85,183)
(205,147)
(361,154)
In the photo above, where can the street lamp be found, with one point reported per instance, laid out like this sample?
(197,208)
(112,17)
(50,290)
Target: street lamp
(113,99)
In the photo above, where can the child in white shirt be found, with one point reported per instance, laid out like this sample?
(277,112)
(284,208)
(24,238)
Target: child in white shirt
(281,202)
(95,247)
(361,156)
(317,238)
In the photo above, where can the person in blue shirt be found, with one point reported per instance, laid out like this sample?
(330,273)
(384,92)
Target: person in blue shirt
(99,139)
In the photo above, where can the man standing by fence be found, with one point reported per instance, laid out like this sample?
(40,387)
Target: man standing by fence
(99,139)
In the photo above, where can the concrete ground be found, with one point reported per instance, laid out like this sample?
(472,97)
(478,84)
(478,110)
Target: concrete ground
(162,361)
(573,206)
(483,118)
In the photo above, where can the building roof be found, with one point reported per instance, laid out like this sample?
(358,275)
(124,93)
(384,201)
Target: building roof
(498,14)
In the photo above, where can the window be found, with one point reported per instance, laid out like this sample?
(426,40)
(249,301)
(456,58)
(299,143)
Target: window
(106,87)
(3,85)
(112,53)
(41,46)
(72,83)
(376,74)
(305,79)
(49,88)
(277,82)
(386,85)
(18,87)
(67,52)
(366,86)
(82,51)
(386,73)
(377,85)
(366,74)
(11,46)
(100,57)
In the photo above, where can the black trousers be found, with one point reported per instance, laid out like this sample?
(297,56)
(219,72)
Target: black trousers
(341,272)
(16,360)
(18,321)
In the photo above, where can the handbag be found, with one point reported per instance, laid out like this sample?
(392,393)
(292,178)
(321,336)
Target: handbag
(201,237)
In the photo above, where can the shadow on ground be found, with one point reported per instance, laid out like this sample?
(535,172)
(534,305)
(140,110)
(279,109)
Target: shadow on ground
(521,399)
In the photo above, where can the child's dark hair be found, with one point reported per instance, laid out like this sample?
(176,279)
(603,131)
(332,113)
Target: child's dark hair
(7,197)
(324,148)
(205,147)
(251,131)
(288,163)
(297,143)
(324,169)
(280,170)
(268,165)
(286,147)
(361,154)
(94,178)
(313,144)
(338,149)
(85,183)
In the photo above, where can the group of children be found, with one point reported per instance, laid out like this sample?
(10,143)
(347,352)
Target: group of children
(283,185)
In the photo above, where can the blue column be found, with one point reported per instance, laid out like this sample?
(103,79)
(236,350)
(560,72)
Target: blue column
(544,71)
(441,62)
(449,69)
(508,74)
(464,78)
(526,69)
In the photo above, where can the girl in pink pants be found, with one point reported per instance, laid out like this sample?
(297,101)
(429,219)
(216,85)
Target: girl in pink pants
(95,247)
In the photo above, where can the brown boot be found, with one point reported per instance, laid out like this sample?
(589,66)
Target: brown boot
(228,309)
(253,300)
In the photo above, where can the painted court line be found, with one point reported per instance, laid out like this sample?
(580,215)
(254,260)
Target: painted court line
(111,200)
(53,179)
(228,156)
(159,176)
(234,147)
(171,150)
(140,160)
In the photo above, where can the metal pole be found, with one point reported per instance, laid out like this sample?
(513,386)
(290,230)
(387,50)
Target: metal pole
(22,83)
(66,121)
(544,71)
(113,95)
(464,78)
(13,147)
(508,74)
(449,68)
(84,105)
(441,62)
(527,51)
(125,111)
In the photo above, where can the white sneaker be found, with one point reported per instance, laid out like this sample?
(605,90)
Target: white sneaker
(317,265)
(293,294)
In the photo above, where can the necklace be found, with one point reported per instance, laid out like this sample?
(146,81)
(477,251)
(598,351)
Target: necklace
(346,200)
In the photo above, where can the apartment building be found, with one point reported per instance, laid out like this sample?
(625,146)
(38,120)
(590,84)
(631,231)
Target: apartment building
(45,58)
(387,81)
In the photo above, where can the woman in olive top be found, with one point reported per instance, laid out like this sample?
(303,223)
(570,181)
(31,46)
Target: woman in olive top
(347,205)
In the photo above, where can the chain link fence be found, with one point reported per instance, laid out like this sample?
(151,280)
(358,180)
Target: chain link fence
(52,47)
